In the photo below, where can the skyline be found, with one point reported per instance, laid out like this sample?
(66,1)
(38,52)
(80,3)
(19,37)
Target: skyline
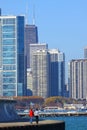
(61,24)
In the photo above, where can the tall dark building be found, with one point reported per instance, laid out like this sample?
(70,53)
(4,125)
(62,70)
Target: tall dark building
(57,73)
(31,37)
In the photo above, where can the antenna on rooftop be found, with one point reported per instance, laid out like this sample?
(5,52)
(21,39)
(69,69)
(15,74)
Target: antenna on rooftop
(26,13)
(33,14)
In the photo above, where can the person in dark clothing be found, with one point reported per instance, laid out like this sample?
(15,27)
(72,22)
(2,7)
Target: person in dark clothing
(36,114)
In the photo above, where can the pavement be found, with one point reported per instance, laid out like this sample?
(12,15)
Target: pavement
(19,124)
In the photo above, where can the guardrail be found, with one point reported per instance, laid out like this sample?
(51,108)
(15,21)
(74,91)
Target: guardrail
(55,114)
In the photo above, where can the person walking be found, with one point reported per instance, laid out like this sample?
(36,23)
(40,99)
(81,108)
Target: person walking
(36,114)
(31,115)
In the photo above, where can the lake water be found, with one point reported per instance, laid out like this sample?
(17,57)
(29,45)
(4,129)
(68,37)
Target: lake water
(73,122)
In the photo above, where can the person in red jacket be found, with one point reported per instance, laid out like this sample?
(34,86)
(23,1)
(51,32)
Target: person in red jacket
(31,114)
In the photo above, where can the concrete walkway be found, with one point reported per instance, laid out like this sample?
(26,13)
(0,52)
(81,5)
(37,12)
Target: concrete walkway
(18,124)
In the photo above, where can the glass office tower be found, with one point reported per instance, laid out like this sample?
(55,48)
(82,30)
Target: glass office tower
(57,73)
(12,61)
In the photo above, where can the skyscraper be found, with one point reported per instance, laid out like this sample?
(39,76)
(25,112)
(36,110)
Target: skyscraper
(31,37)
(40,67)
(12,60)
(57,73)
(29,82)
(48,72)
(77,79)
(35,47)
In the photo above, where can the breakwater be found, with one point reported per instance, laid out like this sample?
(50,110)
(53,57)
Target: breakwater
(7,111)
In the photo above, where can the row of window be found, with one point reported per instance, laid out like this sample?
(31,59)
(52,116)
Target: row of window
(10,54)
(9,61)
(8,28)
(9,86)
(9,48)
(8,41)
(9,35)
(9,74)
(9,67)
(9,93)
(9,80)
(8,21)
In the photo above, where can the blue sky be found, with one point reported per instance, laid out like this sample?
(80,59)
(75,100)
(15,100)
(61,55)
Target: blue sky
(61,24)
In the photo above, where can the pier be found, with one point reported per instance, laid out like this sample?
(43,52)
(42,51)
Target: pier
(10,119)
(43,125)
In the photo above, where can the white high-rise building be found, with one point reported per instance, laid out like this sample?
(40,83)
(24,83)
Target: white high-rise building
(77,79)
(40,73)
(35,47)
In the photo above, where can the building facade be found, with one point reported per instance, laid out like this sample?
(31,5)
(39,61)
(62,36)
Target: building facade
(31,37)
(57,73)
(77,79)
(29,82)
(35,47)
(85,52)
(12,59)
(40,67)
